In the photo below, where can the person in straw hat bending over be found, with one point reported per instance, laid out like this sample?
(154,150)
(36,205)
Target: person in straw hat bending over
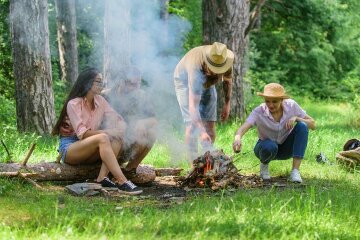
(195,77)
(282,127)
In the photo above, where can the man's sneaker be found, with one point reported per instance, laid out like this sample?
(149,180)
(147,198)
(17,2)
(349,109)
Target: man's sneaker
(129,188)
(264,171)
(295,176)
(107,184)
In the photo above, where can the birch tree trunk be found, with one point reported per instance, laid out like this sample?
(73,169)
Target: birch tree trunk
(67,40)
(164,15)
(225,21)
(32,67)
(117,47)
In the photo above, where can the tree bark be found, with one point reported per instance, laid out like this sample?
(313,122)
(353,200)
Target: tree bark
(117,47)
(67,40)
(225,21)
(164,15)
(52,171)
(32,67)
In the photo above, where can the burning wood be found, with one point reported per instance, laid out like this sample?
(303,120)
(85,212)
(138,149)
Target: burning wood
(216,170)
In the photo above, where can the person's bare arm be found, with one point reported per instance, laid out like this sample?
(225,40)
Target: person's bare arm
(227,87)
(238,135)
(310,122)
(194,102)
(114,131)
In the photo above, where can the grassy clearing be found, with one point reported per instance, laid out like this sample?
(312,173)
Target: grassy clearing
(325,208)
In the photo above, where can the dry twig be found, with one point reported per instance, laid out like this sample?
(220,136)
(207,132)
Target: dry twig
(28,154)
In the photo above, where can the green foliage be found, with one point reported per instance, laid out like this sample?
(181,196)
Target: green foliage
(54,50)
(309,46)
(191,11)
(60,93)
(356,109)
(7,121)
(7,84)
(90,32)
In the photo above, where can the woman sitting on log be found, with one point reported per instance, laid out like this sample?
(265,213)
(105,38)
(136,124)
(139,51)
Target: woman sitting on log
(81,141)
(282,127)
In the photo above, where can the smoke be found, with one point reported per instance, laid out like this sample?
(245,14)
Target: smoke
(153,45)
(155,50)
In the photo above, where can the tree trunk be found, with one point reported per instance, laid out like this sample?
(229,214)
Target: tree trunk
(225,21)
(67,40)
(117,47)
(32,67)
(52,171)
(164,15)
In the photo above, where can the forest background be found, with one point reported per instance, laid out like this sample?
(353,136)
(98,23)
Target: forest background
(312,47)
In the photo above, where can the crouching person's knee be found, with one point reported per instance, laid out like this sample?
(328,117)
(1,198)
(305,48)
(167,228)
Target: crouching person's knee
(266,150)
(301,126)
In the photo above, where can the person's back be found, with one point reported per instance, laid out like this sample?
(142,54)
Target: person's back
(133,105)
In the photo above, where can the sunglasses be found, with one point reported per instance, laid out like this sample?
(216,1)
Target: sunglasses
(99,83)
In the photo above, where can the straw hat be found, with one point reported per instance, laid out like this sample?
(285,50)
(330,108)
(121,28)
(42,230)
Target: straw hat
(218,58)
(273,90)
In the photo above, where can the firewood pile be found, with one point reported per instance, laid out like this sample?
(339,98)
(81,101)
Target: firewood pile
(216,170)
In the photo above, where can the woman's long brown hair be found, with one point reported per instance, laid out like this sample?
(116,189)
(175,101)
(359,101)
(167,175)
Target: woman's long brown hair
(81,87)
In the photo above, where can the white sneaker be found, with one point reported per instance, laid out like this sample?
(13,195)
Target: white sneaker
(295,176)
(264,171)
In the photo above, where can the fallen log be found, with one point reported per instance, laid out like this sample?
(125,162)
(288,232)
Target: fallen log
(160,172)
(53,171)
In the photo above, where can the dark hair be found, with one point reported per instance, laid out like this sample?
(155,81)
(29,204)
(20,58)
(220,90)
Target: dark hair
(80,88)
(133,72)
(351,144)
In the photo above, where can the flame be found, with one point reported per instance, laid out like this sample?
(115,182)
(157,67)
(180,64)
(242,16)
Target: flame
(207,166)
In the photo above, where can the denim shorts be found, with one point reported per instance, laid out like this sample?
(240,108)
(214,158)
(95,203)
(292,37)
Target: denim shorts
(65,142)
(207,106)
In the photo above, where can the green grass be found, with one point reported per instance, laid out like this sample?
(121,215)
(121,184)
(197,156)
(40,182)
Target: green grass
(327,207)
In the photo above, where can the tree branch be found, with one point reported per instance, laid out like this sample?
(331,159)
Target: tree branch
(253,16)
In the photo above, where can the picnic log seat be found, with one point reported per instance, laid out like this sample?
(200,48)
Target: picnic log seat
(58,171)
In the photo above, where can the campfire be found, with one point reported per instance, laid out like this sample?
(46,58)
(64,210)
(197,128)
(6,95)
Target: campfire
(216,170)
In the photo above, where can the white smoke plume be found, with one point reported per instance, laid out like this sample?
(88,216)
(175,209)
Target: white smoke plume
(155,49)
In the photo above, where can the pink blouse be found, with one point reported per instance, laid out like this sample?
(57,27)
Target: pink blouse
(267,127)
(81,118)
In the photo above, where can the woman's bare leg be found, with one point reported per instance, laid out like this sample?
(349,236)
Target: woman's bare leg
(88,151)
(104,171)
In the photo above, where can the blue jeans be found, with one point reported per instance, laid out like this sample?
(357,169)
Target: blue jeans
(65,142)
(294,145)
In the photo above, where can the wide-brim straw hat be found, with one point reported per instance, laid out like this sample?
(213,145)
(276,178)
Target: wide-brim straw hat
(273,90)
(218,58)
